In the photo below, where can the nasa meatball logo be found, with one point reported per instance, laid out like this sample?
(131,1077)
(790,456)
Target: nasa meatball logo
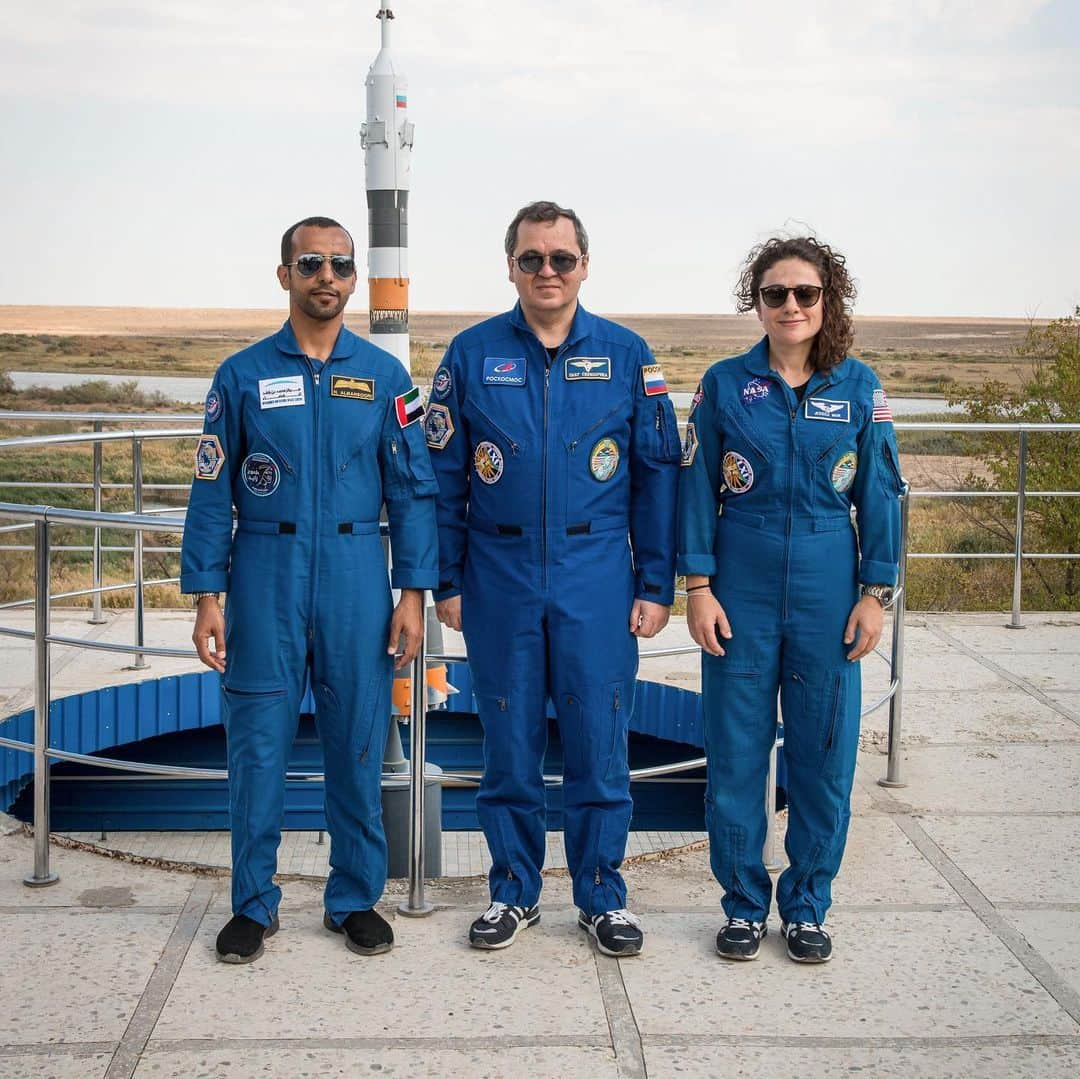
(440,384)
(488,462)
(261,474)
(738,474)
(213,405)
(843,472)
(604,460)
(755,390)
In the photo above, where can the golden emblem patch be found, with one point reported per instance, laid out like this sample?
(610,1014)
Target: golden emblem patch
(357,389)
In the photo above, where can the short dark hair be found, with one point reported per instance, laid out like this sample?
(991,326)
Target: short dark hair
(314,222)
(545,211)
(833,340)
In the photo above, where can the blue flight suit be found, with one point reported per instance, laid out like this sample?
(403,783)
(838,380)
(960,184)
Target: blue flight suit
(544,473)
(308,453)
(765,498)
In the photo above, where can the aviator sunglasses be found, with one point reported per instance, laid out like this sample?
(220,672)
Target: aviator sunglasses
(776,295)
(310,265)
(561,261)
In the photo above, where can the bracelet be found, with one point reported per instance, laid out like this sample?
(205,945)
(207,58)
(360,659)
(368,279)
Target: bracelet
(696,588)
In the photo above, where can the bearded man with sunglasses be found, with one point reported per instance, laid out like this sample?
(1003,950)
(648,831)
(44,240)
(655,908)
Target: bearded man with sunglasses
(309,433)
(556,450)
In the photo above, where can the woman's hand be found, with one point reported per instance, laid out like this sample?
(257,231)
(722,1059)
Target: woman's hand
(706,620)
(865,620)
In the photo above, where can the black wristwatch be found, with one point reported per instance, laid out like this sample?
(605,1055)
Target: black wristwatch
(883,593)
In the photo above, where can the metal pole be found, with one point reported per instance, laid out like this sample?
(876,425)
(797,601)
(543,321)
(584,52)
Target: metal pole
(896,669)
(1018,555)
(417,906)
(96,618)
(41,875)
(140,663)
(769,853)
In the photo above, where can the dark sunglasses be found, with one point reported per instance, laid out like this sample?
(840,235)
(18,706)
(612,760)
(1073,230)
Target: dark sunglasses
(776,295)
(561,261)
(310,265)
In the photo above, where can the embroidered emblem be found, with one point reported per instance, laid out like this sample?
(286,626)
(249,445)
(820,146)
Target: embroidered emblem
(488,461)
(409,407)
(757,389)
(882,411)
(690,445)
(843,472)
(213,405)
(357,389)
(820,408)
(593,367)
(499,371)
(438,426)
(261,474)
(604,460)
(652,378)
(209,457)
(441,384)
(699,395)
(738,473)
(281,392)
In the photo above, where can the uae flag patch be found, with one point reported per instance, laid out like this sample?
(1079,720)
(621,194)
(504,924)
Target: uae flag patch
(652,377)
(882,412)
(409,407)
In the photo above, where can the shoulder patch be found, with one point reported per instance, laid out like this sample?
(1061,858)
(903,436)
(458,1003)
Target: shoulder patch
(209,457)
(690,445)
(409,407)
(438,426)
(213,405)
(441,384)
(652,379)
(882,411)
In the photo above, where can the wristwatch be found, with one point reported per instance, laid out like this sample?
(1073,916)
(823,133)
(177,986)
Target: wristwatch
(196,596)
(883,593)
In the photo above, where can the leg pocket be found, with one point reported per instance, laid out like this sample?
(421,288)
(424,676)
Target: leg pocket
(593,724)
(817,719)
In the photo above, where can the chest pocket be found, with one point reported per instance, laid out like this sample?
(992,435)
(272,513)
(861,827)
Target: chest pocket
(746,462)
(354,425)
(484,428)
(278,440)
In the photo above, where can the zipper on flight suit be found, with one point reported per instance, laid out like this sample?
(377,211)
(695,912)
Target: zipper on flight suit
(318,500)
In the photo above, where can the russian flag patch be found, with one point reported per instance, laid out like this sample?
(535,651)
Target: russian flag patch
(409,407)
(652,378)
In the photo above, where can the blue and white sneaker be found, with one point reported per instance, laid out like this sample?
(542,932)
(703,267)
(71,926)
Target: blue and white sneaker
(616,932)
(500,924)
(807,942)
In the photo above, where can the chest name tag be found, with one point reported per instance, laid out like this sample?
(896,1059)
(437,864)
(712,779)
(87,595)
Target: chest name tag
(819,408)
(357,389)
(579,367)
(281,392)
(499,371)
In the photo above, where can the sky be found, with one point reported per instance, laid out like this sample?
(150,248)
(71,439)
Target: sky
(153,152)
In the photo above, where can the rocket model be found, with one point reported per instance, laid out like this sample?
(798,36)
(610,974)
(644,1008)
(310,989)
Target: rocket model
(387,138)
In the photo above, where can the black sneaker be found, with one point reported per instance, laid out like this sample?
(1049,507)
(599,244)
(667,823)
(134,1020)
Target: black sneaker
(500,924)
(807,942)
(740,938)
(241,941)
(617,932)
(366,932)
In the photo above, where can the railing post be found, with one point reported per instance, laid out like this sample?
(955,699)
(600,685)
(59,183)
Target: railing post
(1018,554)
(140,663)
(41,875)
(896,667)
(417,906)
(96,618)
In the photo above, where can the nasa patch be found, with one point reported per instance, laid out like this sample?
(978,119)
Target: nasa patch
(504,372)
(738,473)
(261,474)
(209,457)
(689,446)
(488,462)
(592,367)
(843,472)
(604,460)
(820,408)
(213,405)
(438,426)
(441,384)
(757,389)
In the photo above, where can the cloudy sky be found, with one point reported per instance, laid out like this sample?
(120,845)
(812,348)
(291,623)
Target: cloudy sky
(154,151)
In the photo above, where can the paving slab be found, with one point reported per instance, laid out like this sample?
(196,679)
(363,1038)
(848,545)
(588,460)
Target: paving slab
(992,779)
(1055,935)
(1049,673)
(56,1064)
(939,1062)
(308,985)
(1051,637)
(966,983)
(422,1062)
(1015,859)
(75,975)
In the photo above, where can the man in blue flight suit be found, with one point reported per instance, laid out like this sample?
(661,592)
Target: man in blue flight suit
(308,434)
(554,442)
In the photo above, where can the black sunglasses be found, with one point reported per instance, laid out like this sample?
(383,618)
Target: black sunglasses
(561,261)
(310,265)
(776,295)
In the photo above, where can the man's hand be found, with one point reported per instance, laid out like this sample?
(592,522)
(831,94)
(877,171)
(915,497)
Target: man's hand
(707,622)
(407,622)
(866,619)
(448,612)
(647,619)
(210,626)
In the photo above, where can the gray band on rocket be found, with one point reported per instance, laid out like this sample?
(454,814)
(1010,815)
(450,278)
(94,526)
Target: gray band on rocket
(388,218)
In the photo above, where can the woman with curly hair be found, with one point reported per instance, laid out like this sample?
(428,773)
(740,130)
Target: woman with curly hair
(785,594)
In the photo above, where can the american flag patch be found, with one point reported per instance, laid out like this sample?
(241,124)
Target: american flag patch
(409,407)
(882,412)
(652,377)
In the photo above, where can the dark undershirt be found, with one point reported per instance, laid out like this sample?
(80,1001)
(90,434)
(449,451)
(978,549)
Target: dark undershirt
(552,353)
(800,391)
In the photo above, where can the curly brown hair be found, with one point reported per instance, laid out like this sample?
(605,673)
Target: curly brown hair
(833,341)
